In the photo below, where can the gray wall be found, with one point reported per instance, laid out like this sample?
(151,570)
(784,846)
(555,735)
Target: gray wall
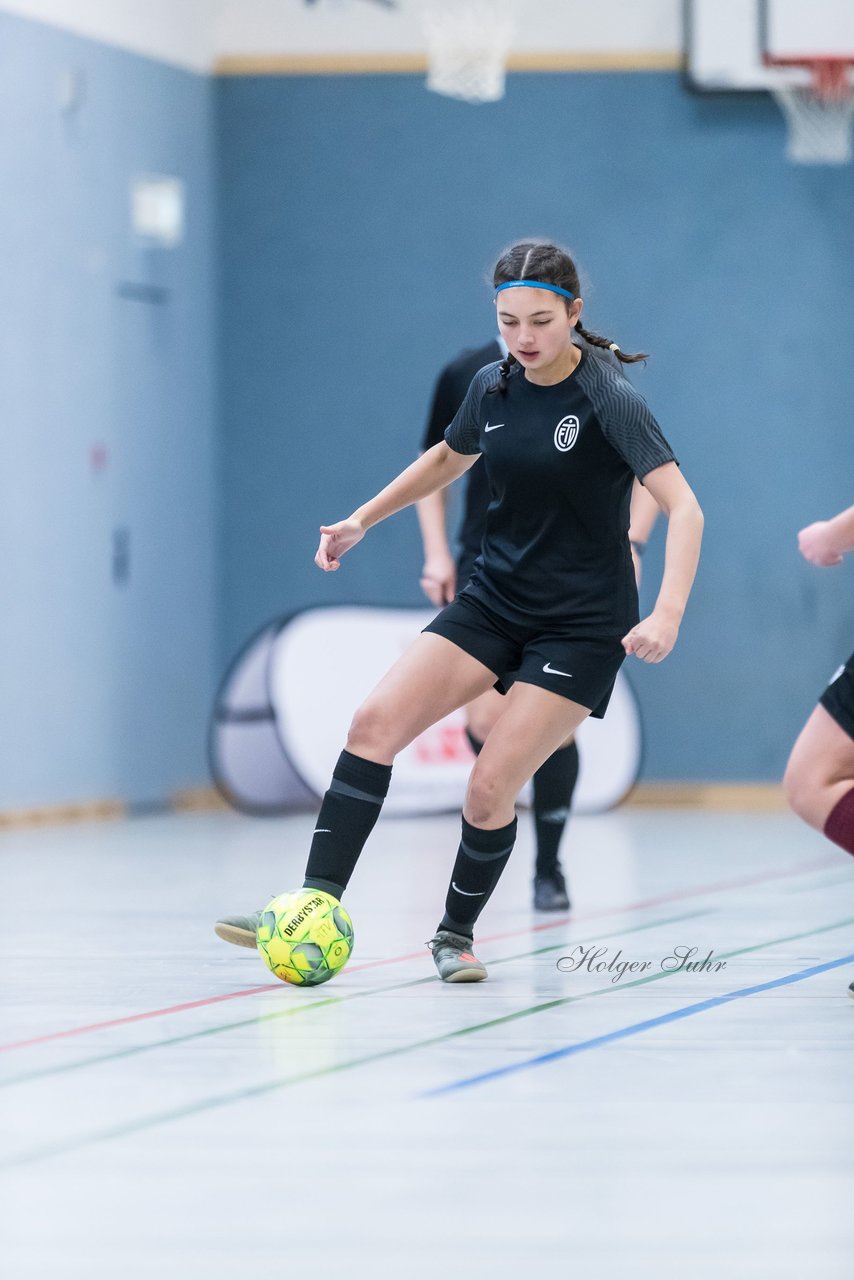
(105,686)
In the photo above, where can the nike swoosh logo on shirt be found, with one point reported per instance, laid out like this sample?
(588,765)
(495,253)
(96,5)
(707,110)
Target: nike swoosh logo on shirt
(464,893)
(553,671)
(494,427)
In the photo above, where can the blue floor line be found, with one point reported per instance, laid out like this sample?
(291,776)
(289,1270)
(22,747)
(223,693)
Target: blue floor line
(635,1029)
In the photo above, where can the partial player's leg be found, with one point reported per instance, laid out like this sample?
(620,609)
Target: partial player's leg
(553,787)
(433,678)
(819,778)
(532,727)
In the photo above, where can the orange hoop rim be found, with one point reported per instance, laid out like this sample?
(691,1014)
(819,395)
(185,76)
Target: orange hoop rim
(831,75)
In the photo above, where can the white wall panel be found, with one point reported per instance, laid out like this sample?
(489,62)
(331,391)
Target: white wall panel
(246,27)
(176,31)
(197,33)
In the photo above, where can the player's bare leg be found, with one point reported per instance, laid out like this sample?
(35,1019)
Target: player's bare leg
(820,771)
(430,680)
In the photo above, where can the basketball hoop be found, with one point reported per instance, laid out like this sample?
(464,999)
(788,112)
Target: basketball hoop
(818,113)
(467,46)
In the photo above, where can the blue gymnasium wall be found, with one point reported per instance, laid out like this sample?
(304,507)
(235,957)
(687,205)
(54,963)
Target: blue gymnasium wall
(359,216)
(105,688)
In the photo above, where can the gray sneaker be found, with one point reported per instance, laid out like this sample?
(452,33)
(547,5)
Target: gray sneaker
(454,959)
(238,929)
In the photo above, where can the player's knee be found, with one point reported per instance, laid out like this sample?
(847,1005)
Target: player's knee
(486,798)
(371,731)
(803,791)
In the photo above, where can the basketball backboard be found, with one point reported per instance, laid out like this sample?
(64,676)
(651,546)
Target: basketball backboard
(737,45)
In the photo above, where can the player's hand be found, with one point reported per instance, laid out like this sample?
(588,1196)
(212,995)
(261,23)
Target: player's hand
(335,539)
(439,579)
(816,544)
(652,639)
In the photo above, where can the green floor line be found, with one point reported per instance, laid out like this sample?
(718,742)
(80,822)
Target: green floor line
(131,1051)
(825,881)
(270,1086)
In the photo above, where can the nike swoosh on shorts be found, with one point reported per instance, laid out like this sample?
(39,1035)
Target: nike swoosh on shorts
(553,671)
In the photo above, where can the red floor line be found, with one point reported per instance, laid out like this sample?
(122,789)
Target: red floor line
(720,886)
(136,1017)
(741,882)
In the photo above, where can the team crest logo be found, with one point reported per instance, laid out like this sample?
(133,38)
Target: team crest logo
(566,433)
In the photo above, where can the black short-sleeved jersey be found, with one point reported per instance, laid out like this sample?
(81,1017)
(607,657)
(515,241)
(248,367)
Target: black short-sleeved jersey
(450,392)
(560,462)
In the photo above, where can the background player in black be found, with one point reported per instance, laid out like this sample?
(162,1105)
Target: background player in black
(819,778)
(441,573)
(551,610)
(554,782)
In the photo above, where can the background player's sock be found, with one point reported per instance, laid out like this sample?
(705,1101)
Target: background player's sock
(347,817)
(554,784)
(840,823)
(475,743)
(481,858)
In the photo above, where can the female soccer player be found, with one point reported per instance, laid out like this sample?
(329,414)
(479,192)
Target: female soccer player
(551,611)
(554,782)
(819,778)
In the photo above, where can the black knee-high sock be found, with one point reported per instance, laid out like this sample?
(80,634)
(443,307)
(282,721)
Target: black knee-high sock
(554,783)
(347,816)
(481,858)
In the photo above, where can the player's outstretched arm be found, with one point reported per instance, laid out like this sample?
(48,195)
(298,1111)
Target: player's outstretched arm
(654,637)
(826,541)
(436,468)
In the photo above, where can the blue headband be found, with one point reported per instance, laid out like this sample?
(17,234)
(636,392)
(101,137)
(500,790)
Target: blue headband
(535,284)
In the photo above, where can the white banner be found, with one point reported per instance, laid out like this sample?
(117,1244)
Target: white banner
(324,662)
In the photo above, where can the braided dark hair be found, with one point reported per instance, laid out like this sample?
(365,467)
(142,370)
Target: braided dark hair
(540,260)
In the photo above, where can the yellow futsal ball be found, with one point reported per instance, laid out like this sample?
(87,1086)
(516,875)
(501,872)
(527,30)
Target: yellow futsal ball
(305,937)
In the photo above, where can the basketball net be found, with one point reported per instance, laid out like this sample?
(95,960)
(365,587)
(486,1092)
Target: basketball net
(819,114)
(467,46)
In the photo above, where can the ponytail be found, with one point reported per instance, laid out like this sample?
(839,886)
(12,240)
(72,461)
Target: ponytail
(504,368)
(606,345)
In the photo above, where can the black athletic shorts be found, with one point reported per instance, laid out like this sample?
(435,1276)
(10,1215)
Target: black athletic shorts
(581,668)
(838,697)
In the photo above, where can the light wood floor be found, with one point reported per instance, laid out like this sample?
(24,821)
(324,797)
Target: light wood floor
(169,1110)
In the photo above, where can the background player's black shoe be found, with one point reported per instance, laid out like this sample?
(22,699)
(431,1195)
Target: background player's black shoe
(851,991)
(550,892)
